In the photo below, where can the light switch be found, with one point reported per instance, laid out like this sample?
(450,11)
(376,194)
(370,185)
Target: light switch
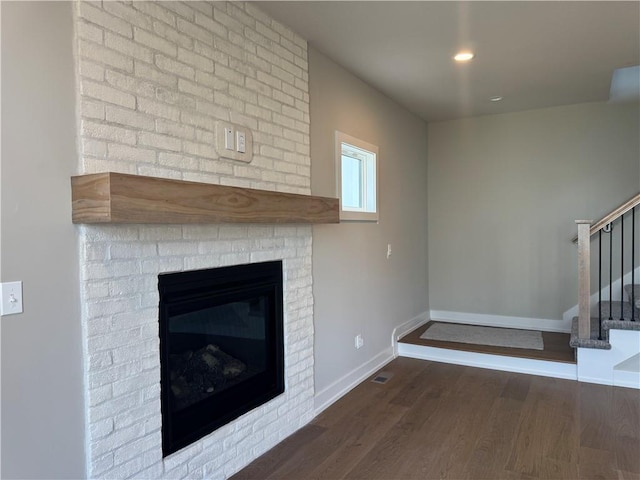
(11,295)
(233,141)
(241,141)
(228,138)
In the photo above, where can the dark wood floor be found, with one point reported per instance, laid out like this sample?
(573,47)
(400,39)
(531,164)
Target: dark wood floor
(556,346)
(436,421)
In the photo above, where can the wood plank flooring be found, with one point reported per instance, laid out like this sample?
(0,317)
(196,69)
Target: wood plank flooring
(556,346)
(441,421)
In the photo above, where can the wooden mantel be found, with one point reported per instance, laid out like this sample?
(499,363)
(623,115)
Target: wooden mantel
(121,198)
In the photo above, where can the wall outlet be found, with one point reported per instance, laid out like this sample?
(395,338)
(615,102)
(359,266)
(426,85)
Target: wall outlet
(359,341)
(11,295)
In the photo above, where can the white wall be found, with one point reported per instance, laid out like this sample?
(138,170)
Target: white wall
(504,191)
(42,386)
(356,289)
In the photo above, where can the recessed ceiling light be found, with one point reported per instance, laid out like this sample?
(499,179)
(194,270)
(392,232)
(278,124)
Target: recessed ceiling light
(463,56)
(496,98)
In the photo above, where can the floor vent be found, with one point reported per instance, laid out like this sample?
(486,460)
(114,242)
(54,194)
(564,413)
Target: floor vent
(382,377)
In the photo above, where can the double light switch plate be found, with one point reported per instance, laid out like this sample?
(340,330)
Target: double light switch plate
(234,142)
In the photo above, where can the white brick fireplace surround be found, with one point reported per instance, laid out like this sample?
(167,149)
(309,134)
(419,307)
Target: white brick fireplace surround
(153,79)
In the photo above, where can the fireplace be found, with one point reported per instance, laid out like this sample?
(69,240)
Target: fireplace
(221,347)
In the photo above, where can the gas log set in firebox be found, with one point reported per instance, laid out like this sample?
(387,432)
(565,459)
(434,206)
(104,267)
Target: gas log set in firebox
(197,375)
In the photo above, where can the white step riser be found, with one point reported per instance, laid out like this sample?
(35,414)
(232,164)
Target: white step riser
(598,366)
(492,362)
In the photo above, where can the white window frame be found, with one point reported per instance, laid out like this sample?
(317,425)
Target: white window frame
(370,209)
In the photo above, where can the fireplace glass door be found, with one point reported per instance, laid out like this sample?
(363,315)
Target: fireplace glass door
(221,346)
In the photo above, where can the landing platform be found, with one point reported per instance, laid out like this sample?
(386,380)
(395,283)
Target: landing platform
(556,360)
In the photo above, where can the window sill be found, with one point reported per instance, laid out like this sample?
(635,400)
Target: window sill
(346,216)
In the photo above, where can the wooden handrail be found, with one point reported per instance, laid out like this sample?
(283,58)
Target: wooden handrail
(615,214)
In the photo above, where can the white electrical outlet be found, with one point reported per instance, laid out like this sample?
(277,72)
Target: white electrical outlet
(359,341)
(388,250)
(11,295)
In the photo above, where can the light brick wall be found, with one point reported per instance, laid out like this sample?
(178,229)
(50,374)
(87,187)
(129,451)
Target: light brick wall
(153,78)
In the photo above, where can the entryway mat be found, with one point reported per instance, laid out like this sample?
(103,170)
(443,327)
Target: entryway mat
(474,334)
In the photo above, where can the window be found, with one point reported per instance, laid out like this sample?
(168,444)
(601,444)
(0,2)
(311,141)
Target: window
(356,163)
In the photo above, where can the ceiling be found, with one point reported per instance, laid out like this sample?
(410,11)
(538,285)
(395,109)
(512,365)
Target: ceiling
(533,54)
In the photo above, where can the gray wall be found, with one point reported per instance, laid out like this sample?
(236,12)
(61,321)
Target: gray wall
(356,289)
(504,191)
(42,379)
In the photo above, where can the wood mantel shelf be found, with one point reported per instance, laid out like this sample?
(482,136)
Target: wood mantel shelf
(121,198)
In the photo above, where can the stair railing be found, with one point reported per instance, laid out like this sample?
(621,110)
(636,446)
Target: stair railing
(586,229)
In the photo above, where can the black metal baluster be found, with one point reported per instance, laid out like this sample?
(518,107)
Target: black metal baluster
(610,271)
(600,284)
(621,267)
(633,264)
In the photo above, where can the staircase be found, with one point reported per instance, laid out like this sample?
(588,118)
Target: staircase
(611,354)
(616,315)
(606,333)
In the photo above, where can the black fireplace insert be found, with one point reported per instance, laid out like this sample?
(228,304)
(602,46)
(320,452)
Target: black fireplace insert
(221,347)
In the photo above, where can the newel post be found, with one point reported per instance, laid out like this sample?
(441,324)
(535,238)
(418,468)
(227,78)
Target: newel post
(584,278)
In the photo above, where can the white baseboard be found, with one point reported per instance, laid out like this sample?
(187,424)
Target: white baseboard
(406,327)
(343,385)
(626,379)
(596,380)
(524,323)
(493,362)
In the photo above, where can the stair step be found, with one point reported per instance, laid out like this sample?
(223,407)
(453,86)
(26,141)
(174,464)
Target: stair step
(620,325)
(591,342)
(613,310)
(636,293)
